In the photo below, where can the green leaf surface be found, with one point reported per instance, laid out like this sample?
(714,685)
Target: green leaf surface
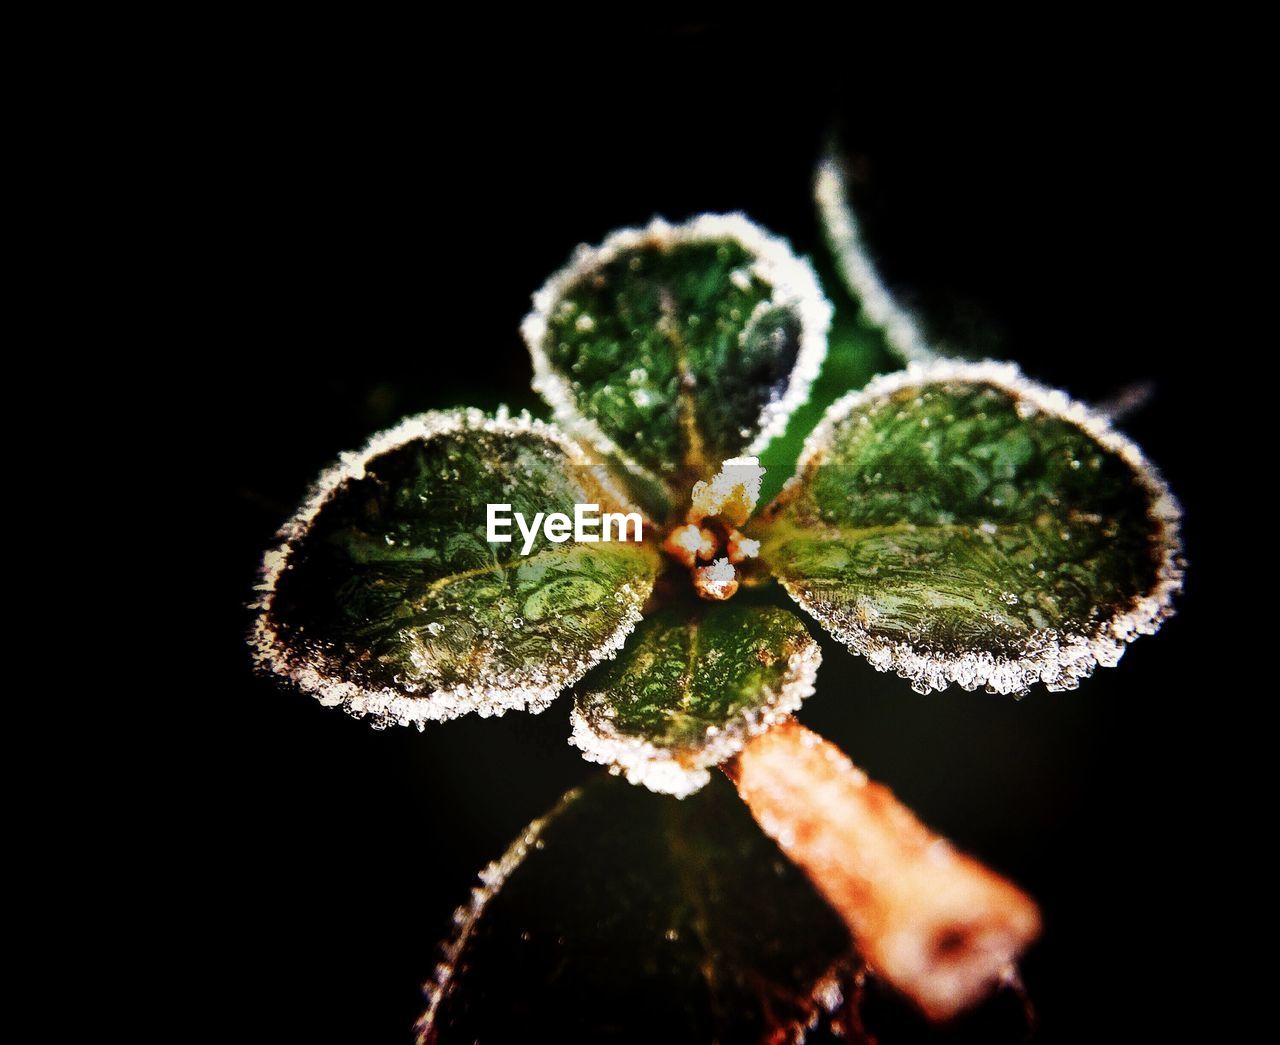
(870,334)
(956,523)
(856,352)
(672,348)
(629,916)
(387,598)
(689,688)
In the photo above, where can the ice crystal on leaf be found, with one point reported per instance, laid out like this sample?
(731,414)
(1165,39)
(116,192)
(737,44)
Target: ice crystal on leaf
(955,522)
(689,688)
(385,597)
(719,326)
(952,522)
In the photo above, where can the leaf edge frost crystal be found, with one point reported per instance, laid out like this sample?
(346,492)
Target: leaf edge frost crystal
(681,769)
(310,671)
(1057,659)
(793,284)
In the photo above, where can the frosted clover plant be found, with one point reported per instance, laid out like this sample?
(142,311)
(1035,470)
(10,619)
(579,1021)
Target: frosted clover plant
(953,522)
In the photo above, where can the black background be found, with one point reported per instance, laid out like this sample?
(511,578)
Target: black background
(374,226)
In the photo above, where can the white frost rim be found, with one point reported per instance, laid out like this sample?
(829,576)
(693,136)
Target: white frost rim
(310,672)
(878,307)
(492,877)
(1056,659)
(792,279)
(658,769)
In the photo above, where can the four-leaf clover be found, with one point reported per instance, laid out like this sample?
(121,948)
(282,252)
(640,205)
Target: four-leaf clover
(952,522)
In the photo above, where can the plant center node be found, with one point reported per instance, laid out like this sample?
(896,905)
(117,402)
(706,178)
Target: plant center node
(709,543)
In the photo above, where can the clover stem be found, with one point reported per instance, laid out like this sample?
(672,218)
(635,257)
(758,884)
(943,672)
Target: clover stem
(934,923)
